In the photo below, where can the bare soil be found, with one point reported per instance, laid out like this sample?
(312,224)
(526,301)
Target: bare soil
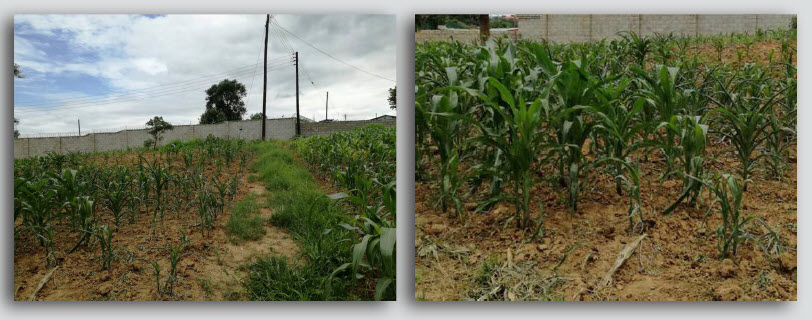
(678,259)
(212,270)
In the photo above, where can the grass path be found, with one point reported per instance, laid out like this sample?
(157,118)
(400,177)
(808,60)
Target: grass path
(300,208)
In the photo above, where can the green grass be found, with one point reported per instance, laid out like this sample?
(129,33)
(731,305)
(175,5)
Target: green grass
(302,209)
(245,222)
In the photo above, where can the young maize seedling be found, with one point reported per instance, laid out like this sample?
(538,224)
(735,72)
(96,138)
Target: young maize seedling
(105,237)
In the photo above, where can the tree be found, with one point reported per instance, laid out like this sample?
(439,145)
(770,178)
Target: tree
(17,74)
(156,126)
(393,98)
(212,116)
(225,97)
(256,116)
(431,21)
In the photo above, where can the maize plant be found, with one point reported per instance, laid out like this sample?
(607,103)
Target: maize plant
(519,139)
(777,144)
(617,127)
(604,103)
(116,195)
(745,121)
(445,133)
(59,194)
(82,213)
(691,133)
(361,161)
(664,100)
(206,209)
(160,177)
(38,215)
(176,254)
(375,226)
(571,94)
(732,232)
(638,46)
(105,238)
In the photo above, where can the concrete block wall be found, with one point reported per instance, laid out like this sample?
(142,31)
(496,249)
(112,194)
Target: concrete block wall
(463,35)
(280,129)
(606,26)
(21,147)
(533,26)
(708,24)
(78,144)
(594,27)
(248,130)
(182,133)
(773,21)
(678,24)
(136,138)
(569,28)
(325,128)
(110,141)
(43,146)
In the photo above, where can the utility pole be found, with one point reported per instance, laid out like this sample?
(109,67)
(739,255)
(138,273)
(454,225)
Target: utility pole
(80,126)
(325,105)
(265,75)
(298,125)
(484,27)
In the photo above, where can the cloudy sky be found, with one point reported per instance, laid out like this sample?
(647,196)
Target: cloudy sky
(112,71)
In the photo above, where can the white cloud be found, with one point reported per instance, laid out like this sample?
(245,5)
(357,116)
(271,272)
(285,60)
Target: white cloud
(136,52)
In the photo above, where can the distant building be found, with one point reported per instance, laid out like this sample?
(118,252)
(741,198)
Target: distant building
(383,118)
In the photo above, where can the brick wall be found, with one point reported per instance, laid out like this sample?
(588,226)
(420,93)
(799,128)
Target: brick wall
(281,129)
(588,27)
(463,35)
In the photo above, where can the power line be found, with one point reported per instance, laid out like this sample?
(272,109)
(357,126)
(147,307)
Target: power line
(136,98)
(281,60)
(283,39)
(259,54)
(329,55)
(142,95)
(237,71)
(184,84)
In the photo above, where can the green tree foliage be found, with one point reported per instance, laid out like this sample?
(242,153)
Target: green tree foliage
(431,21)
(499,22)
(224,102)
(256,116)
(393,98)
(157,126)
(212,116)
(17,74)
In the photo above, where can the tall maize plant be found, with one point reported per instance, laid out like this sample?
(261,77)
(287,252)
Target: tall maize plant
(513,117)
(362,163)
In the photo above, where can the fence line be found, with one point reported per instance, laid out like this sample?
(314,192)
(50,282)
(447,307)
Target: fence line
(280,128)
(343,117)
(565,28)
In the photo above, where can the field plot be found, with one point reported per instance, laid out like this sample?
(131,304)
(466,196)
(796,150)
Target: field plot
(659,168)
(209,219)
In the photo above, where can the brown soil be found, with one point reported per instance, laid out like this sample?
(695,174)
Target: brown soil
(212,270)
(678,259)
(759,51)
